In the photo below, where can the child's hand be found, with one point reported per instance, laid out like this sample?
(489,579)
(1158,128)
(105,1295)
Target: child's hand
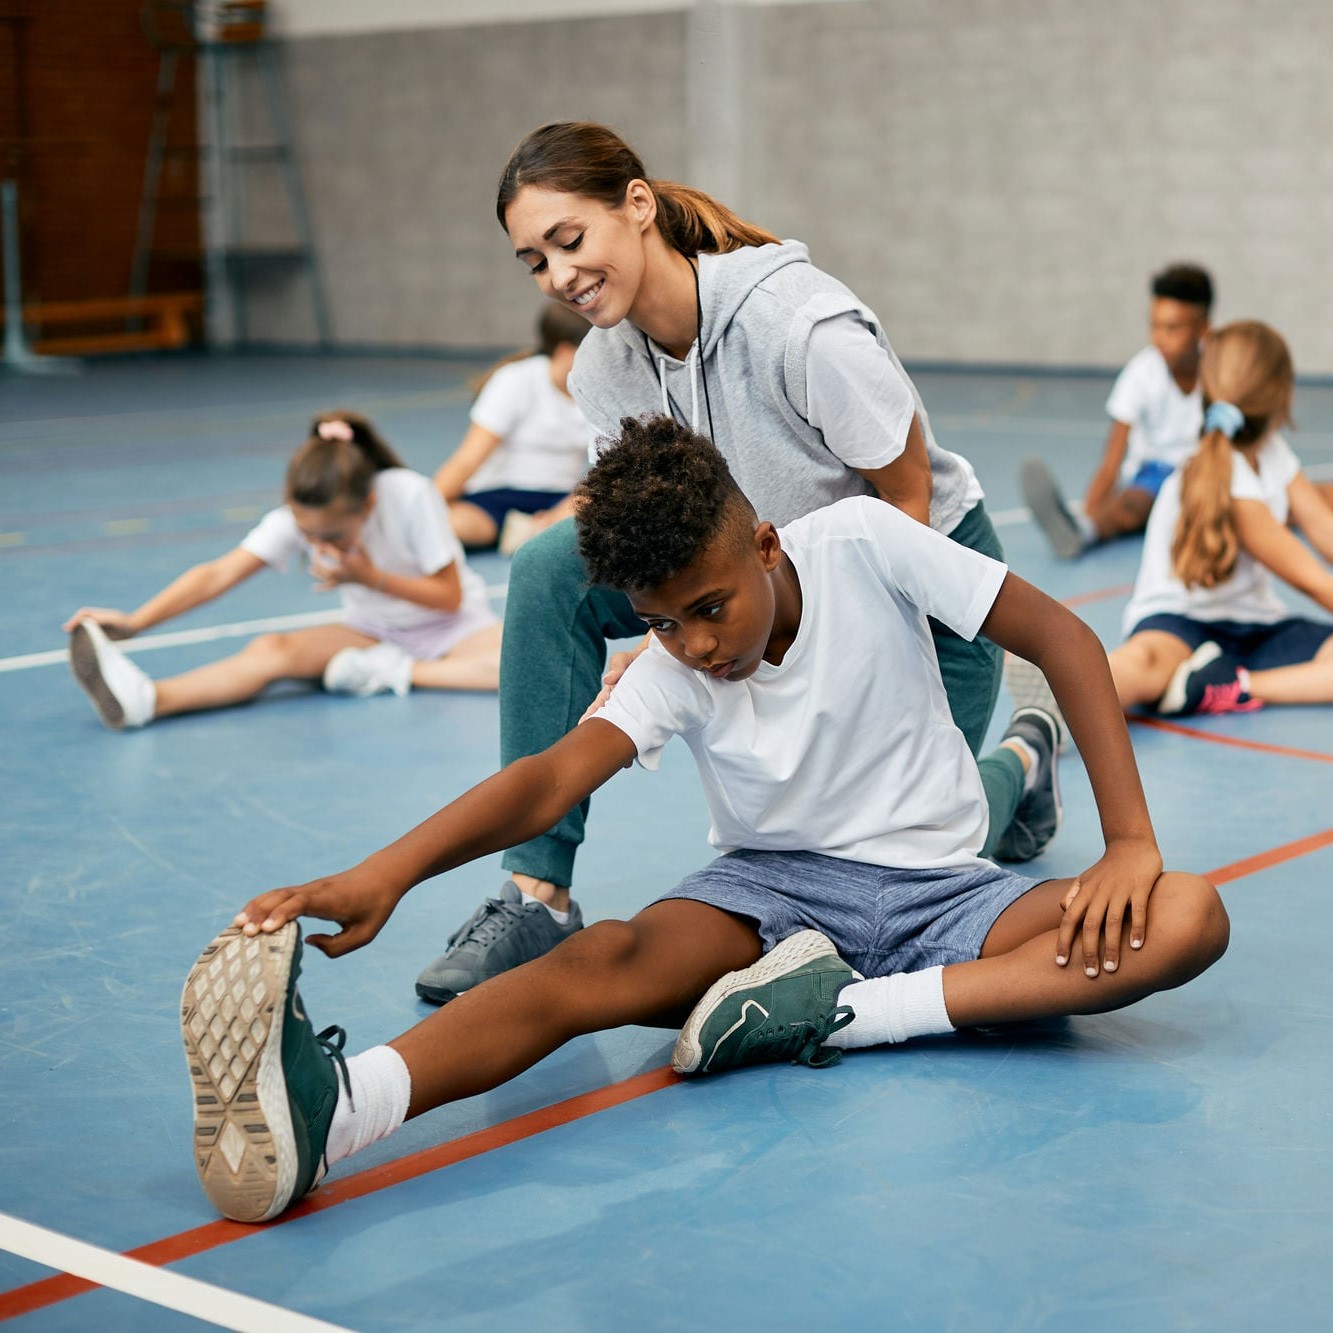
(1096,902)
(116,623)
(357,904)
(616,666)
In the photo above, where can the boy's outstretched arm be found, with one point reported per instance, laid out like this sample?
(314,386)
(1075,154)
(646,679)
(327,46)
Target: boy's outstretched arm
(1108,470)
(1027,622)
(518,803)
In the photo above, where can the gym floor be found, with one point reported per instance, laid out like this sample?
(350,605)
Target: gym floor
(1164,1167)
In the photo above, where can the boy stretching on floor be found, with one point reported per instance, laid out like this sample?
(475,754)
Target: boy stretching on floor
(848,907)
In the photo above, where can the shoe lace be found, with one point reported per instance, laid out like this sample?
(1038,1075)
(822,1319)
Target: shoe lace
(802,1042)
(332,1040)
(492,920)
(1229,697)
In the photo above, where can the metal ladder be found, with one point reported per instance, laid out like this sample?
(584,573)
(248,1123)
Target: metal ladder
(230,259)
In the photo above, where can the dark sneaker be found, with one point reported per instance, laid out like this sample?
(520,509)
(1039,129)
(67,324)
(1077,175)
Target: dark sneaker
(784,1007)
(1039,815)
(501,934)
(1028,689)
(264,1084)
(1208,681)
(1043,498)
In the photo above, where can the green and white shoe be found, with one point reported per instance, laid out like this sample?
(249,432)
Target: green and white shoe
(784,1007)
(264,1084)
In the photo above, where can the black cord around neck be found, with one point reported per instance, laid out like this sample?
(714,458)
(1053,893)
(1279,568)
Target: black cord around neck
(699,339)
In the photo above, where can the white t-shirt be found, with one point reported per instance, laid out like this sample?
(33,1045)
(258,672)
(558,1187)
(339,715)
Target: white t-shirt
(543,435)
(1163,422)
(408,532)
(1248,595)
(860,399)
(847,747)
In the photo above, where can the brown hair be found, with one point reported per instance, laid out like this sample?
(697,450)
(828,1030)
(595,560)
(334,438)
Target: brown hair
(328,469)
(579,157)
(1248,365)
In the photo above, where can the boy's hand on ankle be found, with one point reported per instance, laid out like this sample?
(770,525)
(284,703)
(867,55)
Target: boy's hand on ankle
(1095,905)
(357,903)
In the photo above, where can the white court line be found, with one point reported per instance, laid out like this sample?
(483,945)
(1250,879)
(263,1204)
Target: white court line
(175,638)
(159,1286)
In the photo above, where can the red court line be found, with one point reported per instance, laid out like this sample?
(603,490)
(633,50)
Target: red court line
(212,1235)
(48,1291)
(1218,739)
(1097,595)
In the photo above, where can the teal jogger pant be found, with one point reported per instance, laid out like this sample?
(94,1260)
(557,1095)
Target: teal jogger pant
(556,627)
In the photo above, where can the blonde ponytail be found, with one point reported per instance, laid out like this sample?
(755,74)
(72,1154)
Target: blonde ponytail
(1205,548)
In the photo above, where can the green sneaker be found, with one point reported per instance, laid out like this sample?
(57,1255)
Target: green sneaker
(264,1084)
(782,1008)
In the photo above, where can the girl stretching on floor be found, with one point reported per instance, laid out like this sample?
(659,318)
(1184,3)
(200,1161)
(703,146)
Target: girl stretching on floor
(414,614)
(1207,632)
(526,446)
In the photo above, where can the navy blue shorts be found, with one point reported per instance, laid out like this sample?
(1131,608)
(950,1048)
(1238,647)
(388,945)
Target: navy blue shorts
(880,920)
(1256,647)
(1150,476)
(499,502)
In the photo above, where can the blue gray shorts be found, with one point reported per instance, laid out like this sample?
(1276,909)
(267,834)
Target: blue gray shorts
(1255,647)
(881,920)
(1151,475)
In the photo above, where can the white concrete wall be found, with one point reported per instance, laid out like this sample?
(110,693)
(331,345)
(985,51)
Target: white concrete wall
(998,178)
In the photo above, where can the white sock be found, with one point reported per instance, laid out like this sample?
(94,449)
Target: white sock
(1033,763)
(1086,527)
(562,918)
(892,1009)
(381,1088)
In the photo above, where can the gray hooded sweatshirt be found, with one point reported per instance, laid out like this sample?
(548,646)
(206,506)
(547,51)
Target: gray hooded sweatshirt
(760,304)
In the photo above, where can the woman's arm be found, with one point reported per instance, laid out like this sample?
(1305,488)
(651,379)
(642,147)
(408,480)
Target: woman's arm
(514,805)
(906,483)
(1310,513)
(457,470)
(1280,550)
(1108,470)
(196,586)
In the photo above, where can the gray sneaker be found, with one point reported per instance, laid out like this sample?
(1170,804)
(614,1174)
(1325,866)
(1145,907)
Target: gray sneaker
(1048,507)
(1039,815)
(501,934)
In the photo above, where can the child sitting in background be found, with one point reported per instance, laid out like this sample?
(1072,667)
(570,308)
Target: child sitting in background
(1155,413)
(415,615)
(1207,632)
(799,667)
(527,445)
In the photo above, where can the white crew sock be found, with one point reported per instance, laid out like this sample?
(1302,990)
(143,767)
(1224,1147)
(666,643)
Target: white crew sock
(892,1009)
(562,918)
(1033,763)
(1086,527)
(381,1088)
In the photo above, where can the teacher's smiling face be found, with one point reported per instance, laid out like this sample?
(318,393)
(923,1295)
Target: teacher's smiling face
(581,252)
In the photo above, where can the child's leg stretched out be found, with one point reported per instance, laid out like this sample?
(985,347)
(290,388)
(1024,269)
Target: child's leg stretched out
(125,696)
(245,1051)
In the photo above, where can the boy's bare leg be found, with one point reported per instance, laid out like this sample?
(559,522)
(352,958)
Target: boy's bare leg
(650,970)
(1017,978)
(298,655)
(1122,512)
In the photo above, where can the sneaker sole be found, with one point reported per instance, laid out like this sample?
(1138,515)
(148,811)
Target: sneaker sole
(1043,499)
(795,950)
(1173,697)
(232,1011)
(88,672)
(1028,688)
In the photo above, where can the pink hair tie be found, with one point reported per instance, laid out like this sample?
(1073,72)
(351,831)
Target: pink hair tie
(334,430)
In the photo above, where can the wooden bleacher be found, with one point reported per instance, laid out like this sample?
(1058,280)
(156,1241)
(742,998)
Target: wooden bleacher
(105,324)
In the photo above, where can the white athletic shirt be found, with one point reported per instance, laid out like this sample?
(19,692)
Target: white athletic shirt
(1163,422)
(543,435)
(847,747)
(1248,595)
(408,532)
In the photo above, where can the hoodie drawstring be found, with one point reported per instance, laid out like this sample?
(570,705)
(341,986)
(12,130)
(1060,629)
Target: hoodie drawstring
(693,363)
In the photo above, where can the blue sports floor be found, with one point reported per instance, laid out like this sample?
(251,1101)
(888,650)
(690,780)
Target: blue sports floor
(1165,1167)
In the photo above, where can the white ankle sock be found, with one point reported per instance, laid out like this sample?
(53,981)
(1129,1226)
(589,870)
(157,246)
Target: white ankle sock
(1086,527)
(562,918)
(892,1009)
(381,1088)
(1033,763)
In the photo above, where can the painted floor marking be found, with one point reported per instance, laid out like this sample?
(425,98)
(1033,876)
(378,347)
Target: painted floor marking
(175,638)
(159,1286)
(1218,738)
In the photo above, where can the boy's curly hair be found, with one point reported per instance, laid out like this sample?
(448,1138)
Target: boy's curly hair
(652,502)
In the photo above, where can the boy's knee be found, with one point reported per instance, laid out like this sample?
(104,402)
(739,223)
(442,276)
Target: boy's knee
(1199,921)
(603,946)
